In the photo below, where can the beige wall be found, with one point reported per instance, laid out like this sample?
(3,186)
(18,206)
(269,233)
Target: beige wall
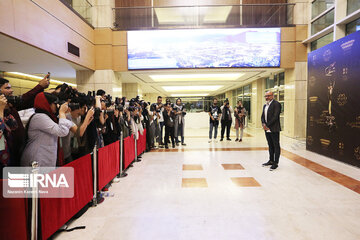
(48,25)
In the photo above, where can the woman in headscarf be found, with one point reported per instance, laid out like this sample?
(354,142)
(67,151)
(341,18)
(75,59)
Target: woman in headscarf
(43,130)
(179,121)
(240,114)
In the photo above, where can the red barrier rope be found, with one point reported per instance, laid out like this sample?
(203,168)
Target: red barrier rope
(141,143)
(13,216)
(55,212)
(108,163)
(129,151)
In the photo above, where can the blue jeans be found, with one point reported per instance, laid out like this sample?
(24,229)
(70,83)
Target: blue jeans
(215,126)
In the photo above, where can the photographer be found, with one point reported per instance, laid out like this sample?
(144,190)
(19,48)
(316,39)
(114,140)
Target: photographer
(75,144)
(16,132)
(99,118)
(43,130)
(136,118)
(179,121)
(215,115)
(160,121)
(146,115)
(5,159)
(124,119)
(112,126)
(226,120)
(153,115)
(169,119)
(240,114)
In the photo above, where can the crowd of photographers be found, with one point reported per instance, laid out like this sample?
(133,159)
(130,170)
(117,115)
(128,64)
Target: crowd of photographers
(66,124)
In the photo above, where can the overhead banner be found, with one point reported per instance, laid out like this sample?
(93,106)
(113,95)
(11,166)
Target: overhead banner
(333,115)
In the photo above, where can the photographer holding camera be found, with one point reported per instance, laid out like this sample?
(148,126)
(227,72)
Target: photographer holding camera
(153,116)
(160,121)
(215,115)
(4,136)
(112,123)
(169,119)
(16,131)
(43,130)
(226,119)
(179,121)
(75,144)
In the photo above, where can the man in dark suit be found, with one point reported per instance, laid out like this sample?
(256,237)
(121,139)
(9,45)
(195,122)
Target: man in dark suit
(270,119)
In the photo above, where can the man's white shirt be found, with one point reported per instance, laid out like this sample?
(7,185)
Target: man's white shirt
(267,105)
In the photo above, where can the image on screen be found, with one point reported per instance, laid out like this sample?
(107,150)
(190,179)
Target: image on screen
(204,48)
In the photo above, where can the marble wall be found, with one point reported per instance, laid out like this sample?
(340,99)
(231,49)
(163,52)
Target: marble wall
(108,80)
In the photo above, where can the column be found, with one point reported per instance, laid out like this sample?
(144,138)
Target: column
(131,90)
(102,13)
(108,80)
(295,101)
(257,102)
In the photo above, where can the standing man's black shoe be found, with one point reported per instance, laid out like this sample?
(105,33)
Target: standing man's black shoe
(229,139)
(273,167)
(166,147)
(221,139)
(269,163)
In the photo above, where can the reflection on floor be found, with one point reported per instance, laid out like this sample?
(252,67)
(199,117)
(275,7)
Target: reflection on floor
(220,191)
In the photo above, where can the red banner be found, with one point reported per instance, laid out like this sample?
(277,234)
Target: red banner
(13,216)
(108,163)
(141,143)
(55,212)
(129,150)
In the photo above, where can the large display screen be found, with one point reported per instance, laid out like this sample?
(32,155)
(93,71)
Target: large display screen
(204,48)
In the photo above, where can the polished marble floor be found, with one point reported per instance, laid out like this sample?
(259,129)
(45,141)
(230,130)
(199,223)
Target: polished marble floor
(220,191)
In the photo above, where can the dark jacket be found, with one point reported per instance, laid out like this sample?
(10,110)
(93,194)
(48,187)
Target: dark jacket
(273,116)
(169,120)
(17,135)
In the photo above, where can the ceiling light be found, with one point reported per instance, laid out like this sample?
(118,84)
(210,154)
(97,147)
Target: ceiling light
(197,77)
(190,95)
(117,89)
(216,14)
(171,16)
(191,88)
(40,78)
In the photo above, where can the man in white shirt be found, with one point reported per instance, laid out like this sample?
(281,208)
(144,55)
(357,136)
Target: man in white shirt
(270,119)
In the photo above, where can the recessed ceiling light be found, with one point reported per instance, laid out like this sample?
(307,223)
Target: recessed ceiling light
(197,77)
(191,88)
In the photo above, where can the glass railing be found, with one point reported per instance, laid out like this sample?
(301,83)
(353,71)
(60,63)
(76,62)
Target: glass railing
(204,16)
(320,6)
(352,6)
(82,7)
(322,22)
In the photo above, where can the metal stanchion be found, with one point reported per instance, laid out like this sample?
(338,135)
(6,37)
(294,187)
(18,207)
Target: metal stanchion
(121,142)
(34,204)
(95,175)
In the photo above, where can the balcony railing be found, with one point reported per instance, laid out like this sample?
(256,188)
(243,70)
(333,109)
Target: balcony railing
(203,16)
(83,8)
